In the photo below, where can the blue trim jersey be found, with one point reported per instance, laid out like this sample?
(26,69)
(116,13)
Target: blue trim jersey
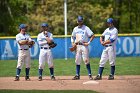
(41,39)
(111,34)
(81,34)
(23,37)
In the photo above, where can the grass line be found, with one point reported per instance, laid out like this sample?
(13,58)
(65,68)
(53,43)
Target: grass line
(124,66)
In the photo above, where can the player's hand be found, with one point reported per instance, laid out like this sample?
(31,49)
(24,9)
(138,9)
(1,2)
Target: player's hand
(48,40)
(73,48)
(102,43)
(86,44)
(73,44)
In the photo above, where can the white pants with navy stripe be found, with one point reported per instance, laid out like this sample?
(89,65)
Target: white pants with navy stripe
(109,53)
(82,52)
(45,56)
(23,57)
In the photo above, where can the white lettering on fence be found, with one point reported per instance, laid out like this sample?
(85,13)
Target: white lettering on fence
(7,50)
(128,45)
(137,45)
(36,49)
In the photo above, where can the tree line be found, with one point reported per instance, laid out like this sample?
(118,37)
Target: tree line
(95,12)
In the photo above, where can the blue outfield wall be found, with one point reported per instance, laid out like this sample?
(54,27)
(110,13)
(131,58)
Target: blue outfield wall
(126,46)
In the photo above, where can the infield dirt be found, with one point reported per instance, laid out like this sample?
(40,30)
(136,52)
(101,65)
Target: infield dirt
(121,84)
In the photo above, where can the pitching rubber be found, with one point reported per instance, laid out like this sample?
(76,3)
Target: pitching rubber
(91,82)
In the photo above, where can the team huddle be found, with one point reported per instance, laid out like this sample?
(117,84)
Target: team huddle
(81,37)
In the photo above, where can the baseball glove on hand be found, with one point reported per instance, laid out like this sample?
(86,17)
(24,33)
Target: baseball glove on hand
(31,43)
(103,38)
(52,44)
(73,48)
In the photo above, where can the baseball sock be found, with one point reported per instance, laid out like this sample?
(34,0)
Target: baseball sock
(78,70)
(18,72)
(112,70)
(27,71)
(100,70)
(40,72)
(52,71)
(89,69)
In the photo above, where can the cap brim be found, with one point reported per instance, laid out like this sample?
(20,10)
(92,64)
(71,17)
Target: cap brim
(80,20)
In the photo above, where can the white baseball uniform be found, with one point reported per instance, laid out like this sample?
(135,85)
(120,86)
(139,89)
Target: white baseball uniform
(24,53)
(81,34)
(45,52)
(109,51)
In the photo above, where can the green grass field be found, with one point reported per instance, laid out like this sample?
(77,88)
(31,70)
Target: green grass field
(47,91)
(124,66)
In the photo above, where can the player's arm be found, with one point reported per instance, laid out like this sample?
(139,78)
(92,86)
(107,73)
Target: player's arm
(73,37)
(102,39)
(91,38)
(20,41)
(72,40)
(111,40)
(108,42)
(41,41)
(23,42)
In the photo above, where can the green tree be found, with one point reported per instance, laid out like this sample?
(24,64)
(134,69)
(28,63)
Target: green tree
(95,12)
(51,11)
(12,13)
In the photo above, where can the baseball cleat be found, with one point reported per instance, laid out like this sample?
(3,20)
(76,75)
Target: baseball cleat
(16,78)
(27,78)
(98,77)
(110,77)
(52,78)
(40,78)
(90,77)
(76,77)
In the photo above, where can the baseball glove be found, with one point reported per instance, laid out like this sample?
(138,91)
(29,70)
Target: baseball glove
(73,48)
(103,38)
(31,43)
(52,44)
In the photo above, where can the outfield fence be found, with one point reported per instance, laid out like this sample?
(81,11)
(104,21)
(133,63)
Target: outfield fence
(127,45)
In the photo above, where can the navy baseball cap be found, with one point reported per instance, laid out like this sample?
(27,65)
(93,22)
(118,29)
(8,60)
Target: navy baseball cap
(110,20)
(80,18)
(21,26)
(44,24)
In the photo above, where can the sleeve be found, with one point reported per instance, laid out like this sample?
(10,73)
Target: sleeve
(73,35)
(38,38)
(18,38)
(103,34)
(89,32)
(114,36)
(51,36)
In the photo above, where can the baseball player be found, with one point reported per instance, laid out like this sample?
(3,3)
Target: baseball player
(24,43)
(108,40)
(80,38)
(44,38)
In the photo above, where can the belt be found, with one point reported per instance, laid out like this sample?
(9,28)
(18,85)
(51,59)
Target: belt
(23,49)
(107,45)
(79,43)
(45,47)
